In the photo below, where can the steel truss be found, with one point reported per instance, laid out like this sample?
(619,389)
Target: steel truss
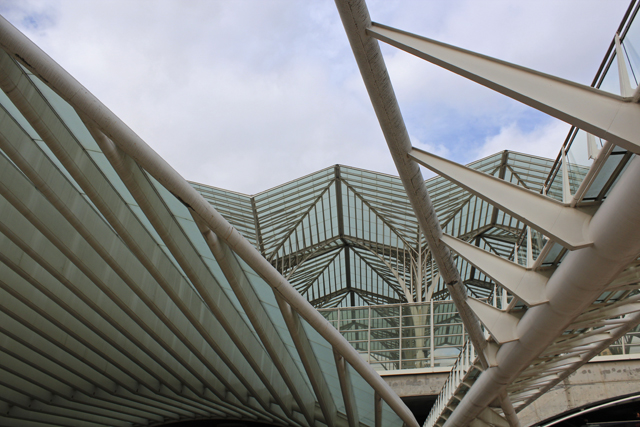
(315,228)
(580,293)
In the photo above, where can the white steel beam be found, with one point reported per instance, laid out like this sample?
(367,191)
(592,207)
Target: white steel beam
(230,329)
(35,347)
(260,321)
(630,276)
(631,321)
(575,343)
(24,153)
(609,116)
(51,182)
(377,405)
(588,319)
(526,284)
(356,20)
(346,387)
(623,73)
(310,362)
(614,229)
(562,223)
(82,100)
(556,363)
(492,419)
(137,359)
(501,325)
(11,219)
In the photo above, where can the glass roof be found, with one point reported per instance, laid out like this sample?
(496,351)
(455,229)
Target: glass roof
(348,237)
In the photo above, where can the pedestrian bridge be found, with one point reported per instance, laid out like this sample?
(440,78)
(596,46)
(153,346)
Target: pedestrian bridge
(421,351)
(603,379)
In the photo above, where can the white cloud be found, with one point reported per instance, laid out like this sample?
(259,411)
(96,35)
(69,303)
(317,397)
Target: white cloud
(544,140)
(438,150)
(567,39)
(246,95)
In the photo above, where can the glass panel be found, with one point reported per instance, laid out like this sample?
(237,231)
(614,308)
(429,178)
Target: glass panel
(631,44)
(420,342)
(632,341)
(611,82)
(538,240)
(580,157)
(446,356)
(603,176)
(354,314)
(553,254)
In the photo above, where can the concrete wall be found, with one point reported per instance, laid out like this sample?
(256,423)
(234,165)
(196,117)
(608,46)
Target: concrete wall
(417,384)
(594,382)
(597,381)
(418,391)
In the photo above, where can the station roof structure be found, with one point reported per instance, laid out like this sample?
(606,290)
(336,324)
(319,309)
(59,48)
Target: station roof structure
(564,303)
(130,296)
(348,237)
(126,299)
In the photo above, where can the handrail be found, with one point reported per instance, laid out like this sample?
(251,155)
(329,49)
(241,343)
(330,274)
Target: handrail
(402,336)
(459,371)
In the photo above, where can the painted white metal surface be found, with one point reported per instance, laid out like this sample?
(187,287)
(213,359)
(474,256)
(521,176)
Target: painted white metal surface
(609,116)
(169,332)
(601,244)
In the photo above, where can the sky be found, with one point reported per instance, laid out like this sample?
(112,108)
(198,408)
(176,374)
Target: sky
(249,94)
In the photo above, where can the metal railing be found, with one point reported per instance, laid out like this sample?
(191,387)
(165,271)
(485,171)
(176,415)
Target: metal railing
(467,366)
(628,344)
(402,336)
(464,366)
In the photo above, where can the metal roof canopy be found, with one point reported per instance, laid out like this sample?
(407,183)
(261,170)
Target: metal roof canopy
(348,237)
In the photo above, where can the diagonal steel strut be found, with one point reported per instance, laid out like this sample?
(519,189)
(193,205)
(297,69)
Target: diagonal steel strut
(356,20)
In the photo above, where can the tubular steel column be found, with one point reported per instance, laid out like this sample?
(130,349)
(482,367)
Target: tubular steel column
(355,18)
(432,345)
(369,337)
(400,337)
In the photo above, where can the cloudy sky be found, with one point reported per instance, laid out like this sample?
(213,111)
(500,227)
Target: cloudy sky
(246,95)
